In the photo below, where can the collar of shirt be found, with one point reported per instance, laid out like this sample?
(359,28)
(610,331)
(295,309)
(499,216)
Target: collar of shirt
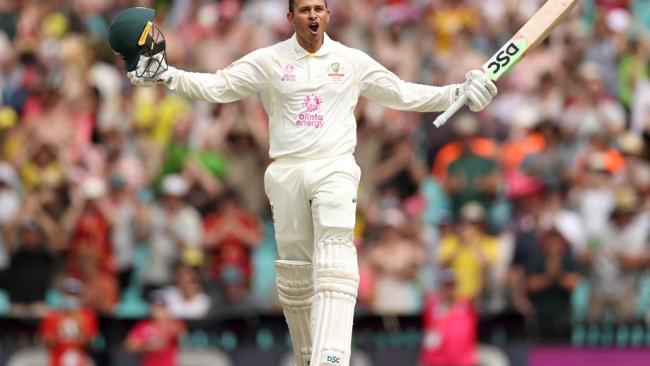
(301,52)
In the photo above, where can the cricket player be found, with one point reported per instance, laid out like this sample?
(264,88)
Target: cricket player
(309,86)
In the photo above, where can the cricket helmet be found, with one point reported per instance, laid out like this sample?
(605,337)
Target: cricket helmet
(133,34)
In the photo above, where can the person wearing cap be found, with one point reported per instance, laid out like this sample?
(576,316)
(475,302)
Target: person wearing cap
(473,175)
(156,338)
(467,138)
(175,233)
(637,166)
(617,260)
(450,326)
(309,86)
(469,251)
(88,223)
(68,331)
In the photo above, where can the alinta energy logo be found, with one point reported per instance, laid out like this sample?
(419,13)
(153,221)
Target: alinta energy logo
(311,118)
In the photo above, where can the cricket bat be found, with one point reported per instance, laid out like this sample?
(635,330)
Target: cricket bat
(530,35)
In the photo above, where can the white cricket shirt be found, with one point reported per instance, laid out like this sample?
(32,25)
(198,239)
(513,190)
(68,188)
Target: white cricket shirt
(310,98)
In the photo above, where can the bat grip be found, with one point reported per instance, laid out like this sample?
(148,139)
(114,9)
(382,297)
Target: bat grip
(444,117)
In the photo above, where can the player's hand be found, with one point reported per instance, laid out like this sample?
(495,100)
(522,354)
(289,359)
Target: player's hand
(151,71)
(479,90)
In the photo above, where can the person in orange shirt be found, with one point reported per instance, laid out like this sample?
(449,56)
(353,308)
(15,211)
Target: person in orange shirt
(67,332)
(101,289)
(466,128)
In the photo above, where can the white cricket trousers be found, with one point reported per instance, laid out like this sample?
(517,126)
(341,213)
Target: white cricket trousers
(311,200)
(314,208)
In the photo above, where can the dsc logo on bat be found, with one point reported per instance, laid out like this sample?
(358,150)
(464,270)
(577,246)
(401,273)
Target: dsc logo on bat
(505,59)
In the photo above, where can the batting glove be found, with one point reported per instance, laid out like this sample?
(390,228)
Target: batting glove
(151,71)
(479,90)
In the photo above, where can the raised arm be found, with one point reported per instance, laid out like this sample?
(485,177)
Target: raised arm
(245,77)
(381,85)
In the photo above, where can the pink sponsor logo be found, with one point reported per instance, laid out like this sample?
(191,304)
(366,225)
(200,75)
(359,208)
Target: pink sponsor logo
(312,102)
(289,73)
(311,118)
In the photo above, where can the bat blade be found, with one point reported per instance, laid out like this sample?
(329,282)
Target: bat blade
(538,27)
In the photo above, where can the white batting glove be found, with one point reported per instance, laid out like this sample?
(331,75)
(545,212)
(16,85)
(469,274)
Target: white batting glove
(479,90)
(150,73)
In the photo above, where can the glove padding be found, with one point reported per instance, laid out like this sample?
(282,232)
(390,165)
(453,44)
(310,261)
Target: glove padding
(479,90)
(149,71)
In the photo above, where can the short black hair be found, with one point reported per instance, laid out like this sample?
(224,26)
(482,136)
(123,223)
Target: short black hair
(293,2)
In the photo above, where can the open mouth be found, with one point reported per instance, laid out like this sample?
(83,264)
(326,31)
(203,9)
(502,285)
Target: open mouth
(313,26)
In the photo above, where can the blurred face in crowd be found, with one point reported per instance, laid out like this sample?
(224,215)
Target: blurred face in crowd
(172,202)
(30,236)
(187,281)
(44,156)
(71,301)
(448,291)
(159,311)
(310,19)
(51,199)
(470,230)
(554,245)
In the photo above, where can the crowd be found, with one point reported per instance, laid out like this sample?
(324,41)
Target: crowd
(130,191)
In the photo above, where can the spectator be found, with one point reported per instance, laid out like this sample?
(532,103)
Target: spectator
(450,327)
(472,176)
(130,227)
(469,251)
(551,276)
(32,267)
(466,128)
(40,164)
(156,338)
(617,260)
(89,221)
(400,170)
(550,166)
(68,331)
(175,234)
(593,110)
(395,260)
(101,289)
(10,203)
(186,299)
(230,235)
(234,298)
(637,169)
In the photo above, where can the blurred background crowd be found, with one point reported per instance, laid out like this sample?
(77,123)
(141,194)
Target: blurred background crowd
(538,206)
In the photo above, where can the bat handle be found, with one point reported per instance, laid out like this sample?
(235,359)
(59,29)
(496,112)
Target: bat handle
(444,117)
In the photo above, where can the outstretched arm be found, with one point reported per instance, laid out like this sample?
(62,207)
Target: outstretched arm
(381,85)
(246,76)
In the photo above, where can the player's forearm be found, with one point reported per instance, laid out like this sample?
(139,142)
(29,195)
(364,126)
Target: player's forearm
(413,97)
(213,88)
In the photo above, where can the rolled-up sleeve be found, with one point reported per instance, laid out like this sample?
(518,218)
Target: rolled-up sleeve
(245,77)
(382,86)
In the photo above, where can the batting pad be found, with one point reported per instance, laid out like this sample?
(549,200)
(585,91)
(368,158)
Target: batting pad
(295,289)
(336,279)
